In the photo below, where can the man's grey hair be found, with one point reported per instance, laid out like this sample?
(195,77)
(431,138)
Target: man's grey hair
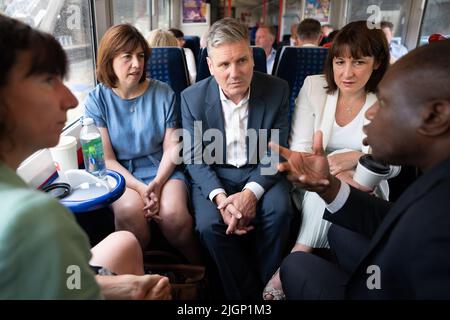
(227,30)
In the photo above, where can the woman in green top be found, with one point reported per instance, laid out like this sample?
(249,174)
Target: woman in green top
(43,252)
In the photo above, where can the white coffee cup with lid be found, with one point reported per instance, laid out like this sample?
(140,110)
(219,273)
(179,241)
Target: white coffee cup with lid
(64,155)
(369,172)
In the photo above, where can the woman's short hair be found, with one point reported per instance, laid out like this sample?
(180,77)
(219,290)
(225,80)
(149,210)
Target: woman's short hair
(117,39)
(47,57)
(160,38)
(359,41)
(226,30)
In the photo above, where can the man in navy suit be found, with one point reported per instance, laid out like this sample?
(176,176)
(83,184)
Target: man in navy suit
(241,204)
(407,255)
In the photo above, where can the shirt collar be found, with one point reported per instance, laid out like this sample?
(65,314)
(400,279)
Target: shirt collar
(224,98)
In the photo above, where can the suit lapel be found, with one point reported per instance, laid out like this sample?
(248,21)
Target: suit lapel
(214,112)
(256,110)
(328,116)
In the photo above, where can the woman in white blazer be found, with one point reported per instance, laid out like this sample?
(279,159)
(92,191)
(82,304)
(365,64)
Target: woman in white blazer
(335,103)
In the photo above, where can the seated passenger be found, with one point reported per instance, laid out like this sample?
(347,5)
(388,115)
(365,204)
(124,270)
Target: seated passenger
(397,50)
(294,35)
(136,117)
(407,256)
(335,103)
(309,33)
(190,58)
(242,211)
(265,38)
(160,38)
(44,254)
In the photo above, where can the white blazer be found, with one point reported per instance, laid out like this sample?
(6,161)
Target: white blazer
(316,110)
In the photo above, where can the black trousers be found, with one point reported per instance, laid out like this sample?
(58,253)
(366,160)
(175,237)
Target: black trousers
(305,276)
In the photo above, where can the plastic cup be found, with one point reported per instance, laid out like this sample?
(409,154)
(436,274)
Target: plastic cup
(65,155)
(369,173)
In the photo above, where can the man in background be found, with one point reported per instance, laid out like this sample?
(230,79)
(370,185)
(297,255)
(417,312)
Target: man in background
(265,37)
(397,50)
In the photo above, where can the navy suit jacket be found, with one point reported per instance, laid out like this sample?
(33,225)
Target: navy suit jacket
(268,109)
(410,240)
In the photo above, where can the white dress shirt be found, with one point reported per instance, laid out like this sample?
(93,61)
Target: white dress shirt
(270,60)
(235,123)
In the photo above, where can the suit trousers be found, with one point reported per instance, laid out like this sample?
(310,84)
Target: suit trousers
(245,263)
(305,276)
(348,247)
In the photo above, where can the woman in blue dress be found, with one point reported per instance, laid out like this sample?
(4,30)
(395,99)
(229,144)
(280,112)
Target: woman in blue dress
(137,118)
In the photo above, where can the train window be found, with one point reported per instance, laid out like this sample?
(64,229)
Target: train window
(395,11)
(163,14)
(70,23)
(135,12)
(435,20)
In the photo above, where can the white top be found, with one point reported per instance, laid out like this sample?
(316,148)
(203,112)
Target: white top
(345,137)
(316,110)
(235,123)
(190,61)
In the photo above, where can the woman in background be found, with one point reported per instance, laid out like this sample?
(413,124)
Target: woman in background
(190,58)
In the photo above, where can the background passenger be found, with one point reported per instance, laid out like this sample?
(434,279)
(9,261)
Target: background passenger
(309,33)
(293,37)
(329,40)
(160,38)
(39,239)
(190,58)
(265,38)
(326,29)
(136,117)
(397,50)
(335,103)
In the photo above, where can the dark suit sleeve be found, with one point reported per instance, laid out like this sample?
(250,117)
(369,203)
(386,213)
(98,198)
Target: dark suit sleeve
(282,125)
(362,213)
(201,173)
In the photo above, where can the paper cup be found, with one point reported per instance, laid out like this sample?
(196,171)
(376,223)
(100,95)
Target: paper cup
(369,173)
(65,155)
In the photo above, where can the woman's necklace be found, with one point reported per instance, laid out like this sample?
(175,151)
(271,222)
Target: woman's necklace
(348,108)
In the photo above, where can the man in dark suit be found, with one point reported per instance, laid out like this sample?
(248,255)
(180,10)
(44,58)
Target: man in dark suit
(241,204)
(407,255)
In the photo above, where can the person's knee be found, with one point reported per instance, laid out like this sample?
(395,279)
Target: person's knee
(177,219)
(292,263)
(208,229)
(125,241)
(128,210)
(281,216)
(291,270)
(277,199)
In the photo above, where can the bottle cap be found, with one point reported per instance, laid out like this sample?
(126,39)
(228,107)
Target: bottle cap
(87,121)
